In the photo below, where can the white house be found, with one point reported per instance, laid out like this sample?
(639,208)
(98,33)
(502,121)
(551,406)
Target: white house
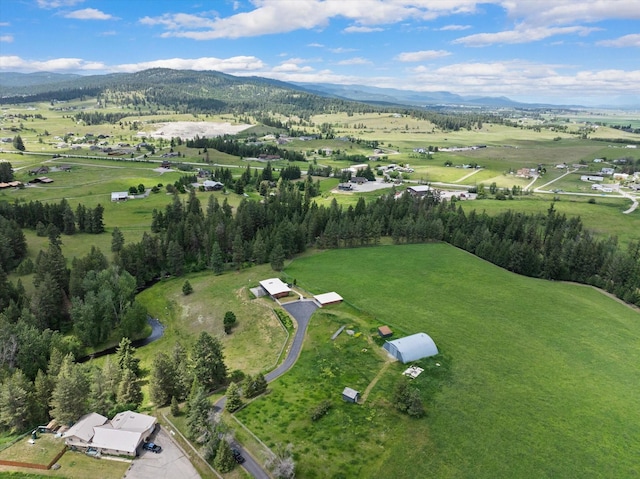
(119,196)
(275,287)
(121,436)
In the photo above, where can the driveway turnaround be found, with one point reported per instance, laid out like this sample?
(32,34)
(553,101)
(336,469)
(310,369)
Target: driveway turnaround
(171,463)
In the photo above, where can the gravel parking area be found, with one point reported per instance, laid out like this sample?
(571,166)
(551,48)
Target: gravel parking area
(171,463)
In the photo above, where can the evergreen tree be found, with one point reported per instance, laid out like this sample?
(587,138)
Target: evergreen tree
(224,461)
(217,259)
(197,416)
(125,357)
(69,396)
(234,401)
(162,381)
(187,289)
(6,172)
(117,240)
(254,385)
(18,144)
(277,258)
(16,411)
(175,407)
(129,390)
(229,321)
(207,362)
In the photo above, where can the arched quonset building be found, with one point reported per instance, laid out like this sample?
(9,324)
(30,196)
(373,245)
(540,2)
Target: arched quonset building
(411,348)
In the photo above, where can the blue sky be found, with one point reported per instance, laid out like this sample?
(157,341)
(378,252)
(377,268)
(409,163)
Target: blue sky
(557,51)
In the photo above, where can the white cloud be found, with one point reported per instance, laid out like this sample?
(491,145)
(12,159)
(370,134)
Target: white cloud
(521,34)
(6,38)
(275,16)
(342,50)
(632,40)
(354,29)
(292,67)
(422,55)
(5,24)
(316,45)
(355,61)
(562,12)
(15,63)
(455,28)
(108,33)
(233,65)
(89,14)
(58,3)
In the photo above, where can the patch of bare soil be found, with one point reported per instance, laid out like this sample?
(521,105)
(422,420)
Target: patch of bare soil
(189,129)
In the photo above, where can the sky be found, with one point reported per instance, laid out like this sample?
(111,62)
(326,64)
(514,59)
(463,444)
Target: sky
(554,51)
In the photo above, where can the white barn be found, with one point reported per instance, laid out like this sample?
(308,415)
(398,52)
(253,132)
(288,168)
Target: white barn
(411,348)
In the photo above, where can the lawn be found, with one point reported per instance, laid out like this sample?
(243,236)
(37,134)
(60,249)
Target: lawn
(538,379)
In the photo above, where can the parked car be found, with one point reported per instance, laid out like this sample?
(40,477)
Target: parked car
(237,455)
(151,446)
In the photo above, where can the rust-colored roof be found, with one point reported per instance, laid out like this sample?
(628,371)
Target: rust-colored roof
(384,331)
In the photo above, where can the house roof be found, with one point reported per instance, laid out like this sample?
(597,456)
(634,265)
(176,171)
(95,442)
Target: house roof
(274,286)
(133,421)
(83,429)
(350,393)
(327,298)
(412,348)
(119,194)
(105,437)
(419,188)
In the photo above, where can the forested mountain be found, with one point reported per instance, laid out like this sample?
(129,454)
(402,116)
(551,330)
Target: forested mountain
(12,79)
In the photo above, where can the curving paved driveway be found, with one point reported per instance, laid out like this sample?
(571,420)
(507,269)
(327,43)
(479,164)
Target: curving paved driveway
(301,311)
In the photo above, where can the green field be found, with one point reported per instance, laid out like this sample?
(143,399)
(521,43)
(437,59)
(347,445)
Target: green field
(538,379)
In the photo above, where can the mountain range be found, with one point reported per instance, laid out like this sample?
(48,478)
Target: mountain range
(13,83)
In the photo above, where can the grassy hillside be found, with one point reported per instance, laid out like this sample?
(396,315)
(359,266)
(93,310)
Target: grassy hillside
(542,377)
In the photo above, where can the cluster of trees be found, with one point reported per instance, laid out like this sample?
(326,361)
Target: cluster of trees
(44,216)
(98,118)
(287,222)
(64,390)
(233,146)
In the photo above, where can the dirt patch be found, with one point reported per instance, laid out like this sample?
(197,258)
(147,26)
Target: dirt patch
(189,129)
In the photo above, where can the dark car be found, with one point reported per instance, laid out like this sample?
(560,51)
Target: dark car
(237,455)
(153,447)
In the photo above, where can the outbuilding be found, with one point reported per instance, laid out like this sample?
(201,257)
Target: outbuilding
(328,298)
(411,348)
(385,332)
(350,395)
(119,196)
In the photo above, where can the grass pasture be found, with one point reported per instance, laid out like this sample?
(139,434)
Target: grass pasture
(256,341)
(539,380)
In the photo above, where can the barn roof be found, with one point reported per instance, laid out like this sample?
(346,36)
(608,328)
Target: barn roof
(412,348)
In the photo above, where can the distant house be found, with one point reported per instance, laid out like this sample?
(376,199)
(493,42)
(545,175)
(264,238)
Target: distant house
(598,160)
(359,180)
(275,288)
(411,348)
(41,179)
(345,186)
(81,433)
(591,178)
(385,332)
(119,196)
(210,185)
(524,173)
(607,171)
(328,298)
(418,190)
(41,170)
(350,395)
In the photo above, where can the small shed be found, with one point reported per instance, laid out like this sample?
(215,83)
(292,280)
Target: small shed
(411,348)
(350,395)
(328,298)
(385,331)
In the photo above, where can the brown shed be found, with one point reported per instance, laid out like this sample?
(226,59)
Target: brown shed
(385,332)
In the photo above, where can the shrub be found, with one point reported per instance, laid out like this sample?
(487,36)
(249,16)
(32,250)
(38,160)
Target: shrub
(320,410)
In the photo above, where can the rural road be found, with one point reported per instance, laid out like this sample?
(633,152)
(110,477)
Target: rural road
(301,311)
